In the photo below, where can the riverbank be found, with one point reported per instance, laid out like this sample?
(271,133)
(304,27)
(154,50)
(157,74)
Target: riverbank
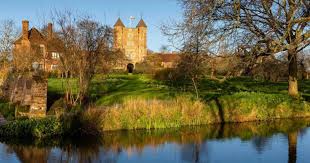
(257,138)
(122,102)
(158,114)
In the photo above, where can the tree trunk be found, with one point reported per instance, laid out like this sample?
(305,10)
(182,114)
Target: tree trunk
(196,89)
(292,71)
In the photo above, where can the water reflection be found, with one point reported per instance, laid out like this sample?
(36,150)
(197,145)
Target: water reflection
(247,142)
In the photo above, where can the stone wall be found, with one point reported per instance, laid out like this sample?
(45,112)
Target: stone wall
(29,91)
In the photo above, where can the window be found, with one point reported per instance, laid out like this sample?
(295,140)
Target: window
(54,67)
(42,50)
(40,66)
(55,55)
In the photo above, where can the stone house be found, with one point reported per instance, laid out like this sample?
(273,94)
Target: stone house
(43,46)
(169,60)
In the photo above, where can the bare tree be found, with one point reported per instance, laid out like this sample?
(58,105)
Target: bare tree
(257,28)
(84,42)
(25,56)
(190,37)
(8,34)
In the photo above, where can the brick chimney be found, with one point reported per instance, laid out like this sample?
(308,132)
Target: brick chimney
(49,30)
(25,24)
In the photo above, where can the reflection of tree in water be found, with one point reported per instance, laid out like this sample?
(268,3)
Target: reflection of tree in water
(302,132)
(193,152)
(83,152)
(190,152)
(292,146)
(260,143)
(192,140)
(30,154)
(93,152)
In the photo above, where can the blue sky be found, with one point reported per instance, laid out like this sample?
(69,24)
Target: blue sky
(154,12)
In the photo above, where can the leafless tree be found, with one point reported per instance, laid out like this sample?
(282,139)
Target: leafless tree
(8,34)
(190,37)
(256,28)
(25,56)
(84,42)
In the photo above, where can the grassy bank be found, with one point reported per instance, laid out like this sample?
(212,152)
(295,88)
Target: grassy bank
(183,111)
(139,139)
(142,113)
(140,102)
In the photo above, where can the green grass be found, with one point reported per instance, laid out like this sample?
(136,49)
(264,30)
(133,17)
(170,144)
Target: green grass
(108,90)
(138,101)
(139,113)
(114,89)
(145,103)
(210,89)
(117,88)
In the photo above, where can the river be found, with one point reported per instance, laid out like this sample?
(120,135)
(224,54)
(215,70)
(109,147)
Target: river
(275,141)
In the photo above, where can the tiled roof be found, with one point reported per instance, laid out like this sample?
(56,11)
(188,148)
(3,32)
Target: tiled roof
(141,24)
(119,23)
(33,34)
(169,57)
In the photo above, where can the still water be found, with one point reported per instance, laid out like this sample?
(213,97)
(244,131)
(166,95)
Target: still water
(277,141)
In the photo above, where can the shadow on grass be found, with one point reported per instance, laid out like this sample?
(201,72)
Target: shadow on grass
(111,89)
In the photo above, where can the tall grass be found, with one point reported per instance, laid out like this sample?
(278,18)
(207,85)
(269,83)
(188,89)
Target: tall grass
(138,113)
(143,113)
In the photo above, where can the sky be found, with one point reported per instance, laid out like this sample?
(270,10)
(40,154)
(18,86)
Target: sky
(154,12)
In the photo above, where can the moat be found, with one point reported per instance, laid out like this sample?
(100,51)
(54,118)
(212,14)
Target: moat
(276,141)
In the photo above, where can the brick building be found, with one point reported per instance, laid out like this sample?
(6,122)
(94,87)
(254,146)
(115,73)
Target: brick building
(44,44)
(132,41)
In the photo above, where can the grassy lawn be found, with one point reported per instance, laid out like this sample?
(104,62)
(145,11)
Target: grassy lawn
(210,88)
(116,88)
(107,90)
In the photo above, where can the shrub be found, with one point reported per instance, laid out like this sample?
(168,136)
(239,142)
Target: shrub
(7,110)
(40,128)
(58,108)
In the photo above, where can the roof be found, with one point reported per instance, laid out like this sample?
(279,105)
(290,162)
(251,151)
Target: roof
(141,23)
(36,37)
(119,23)
(33,35)
(169,57)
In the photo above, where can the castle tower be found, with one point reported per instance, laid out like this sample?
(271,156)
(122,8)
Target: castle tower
(132,41)
(142,42)
(118,34)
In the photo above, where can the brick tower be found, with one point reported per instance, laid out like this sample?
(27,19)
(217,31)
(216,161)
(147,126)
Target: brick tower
(132,41)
